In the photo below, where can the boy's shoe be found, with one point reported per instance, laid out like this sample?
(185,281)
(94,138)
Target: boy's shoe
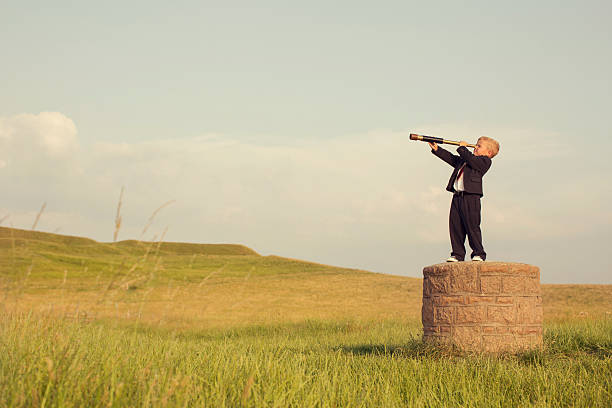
(477,259)
(452,259)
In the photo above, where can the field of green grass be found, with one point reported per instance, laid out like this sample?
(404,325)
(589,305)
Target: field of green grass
(166,324)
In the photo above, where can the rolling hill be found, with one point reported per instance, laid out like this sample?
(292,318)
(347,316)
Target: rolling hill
(202,285)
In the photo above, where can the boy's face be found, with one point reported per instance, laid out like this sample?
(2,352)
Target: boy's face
(482,149)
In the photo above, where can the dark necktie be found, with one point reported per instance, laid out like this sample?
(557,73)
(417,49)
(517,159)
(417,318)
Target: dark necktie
(460,171)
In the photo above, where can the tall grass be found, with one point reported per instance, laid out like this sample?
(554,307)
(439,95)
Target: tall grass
(50,362)
(138,323)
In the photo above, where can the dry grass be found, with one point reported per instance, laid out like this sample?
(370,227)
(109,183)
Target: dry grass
(272,299)
(230,302)
(563,302)
(202,286)
(218,325)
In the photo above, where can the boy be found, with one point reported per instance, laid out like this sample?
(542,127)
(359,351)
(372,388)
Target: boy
(466,185)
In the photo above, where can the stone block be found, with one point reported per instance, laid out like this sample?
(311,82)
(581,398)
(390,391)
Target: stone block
(465,280)
(528,311)
(470,314)
(427,313)
(479,299)
(519,343)
(450,300)
(525,310)
(442,269)
(493,268)
(513,285)
(426,287)
(505,300)
(467,337)
(534,272)
(532,286)
(525,270)
(438,285)
(533,330)
(490,285)
(539,315)
(501,314)
(502,329)
(488,329)
(444,315)
(429,270)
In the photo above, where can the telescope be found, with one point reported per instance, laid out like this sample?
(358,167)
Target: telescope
(433,139)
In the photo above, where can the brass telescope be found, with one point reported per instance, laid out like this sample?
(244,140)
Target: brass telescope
(423,138)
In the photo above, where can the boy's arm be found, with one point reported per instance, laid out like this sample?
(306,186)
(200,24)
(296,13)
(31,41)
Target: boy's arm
(480,163)
(446,156)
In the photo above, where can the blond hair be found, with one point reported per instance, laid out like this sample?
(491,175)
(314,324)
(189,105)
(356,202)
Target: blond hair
(492,145)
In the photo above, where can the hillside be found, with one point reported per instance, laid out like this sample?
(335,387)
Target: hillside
(203,285)
(10,237)
(189,284)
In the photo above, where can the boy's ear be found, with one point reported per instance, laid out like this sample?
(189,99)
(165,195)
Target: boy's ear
(489,150)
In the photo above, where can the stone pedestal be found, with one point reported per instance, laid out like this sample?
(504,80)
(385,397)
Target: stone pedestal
(483,306)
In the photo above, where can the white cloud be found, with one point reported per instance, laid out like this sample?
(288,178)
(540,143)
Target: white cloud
(47,133)
(358,200)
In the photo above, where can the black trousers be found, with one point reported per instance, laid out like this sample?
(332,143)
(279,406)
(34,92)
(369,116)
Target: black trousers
(464,219)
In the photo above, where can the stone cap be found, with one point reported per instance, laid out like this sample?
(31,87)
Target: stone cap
(483,278)
(484,268)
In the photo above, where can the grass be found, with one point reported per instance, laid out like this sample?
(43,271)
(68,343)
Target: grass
(156,324)
(187,285)
(60,363)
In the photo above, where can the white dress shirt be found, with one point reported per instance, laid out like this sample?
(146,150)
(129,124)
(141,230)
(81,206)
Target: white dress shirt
(458,186)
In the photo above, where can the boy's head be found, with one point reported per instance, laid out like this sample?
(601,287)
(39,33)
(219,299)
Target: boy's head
(486,147)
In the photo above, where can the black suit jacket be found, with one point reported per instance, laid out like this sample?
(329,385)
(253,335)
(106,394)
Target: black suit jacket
(475,168)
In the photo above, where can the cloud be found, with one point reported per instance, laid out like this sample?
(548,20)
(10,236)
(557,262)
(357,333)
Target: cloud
(372,200)
(41,160)
(45,134)
(331,186)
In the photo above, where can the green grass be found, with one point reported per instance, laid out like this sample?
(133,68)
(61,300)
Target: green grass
(58,363)
(134,323)
(51,256)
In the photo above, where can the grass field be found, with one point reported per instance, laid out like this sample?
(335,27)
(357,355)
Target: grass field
(139,324)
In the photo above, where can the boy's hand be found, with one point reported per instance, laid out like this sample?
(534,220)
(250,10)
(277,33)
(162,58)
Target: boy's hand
(434,146)
(463,143)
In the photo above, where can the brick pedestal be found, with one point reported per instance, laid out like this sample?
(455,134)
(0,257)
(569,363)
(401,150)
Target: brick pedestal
(483,306)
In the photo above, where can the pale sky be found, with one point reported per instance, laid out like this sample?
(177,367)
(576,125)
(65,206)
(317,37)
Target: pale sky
(284,126)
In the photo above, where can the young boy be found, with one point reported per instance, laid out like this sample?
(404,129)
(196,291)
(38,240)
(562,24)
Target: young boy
(466,185)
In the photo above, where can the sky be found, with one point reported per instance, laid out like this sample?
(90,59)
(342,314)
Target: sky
(284,126)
